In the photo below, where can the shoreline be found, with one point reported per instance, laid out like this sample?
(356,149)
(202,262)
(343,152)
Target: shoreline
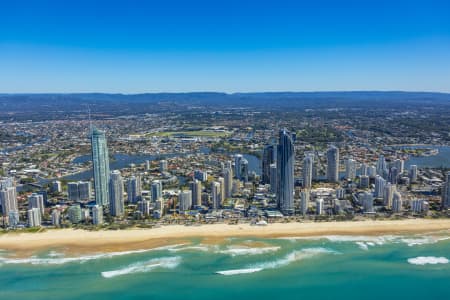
(82,241)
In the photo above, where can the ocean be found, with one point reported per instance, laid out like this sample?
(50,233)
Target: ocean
(327,267)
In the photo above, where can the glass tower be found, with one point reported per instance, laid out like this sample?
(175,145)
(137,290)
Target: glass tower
(100,161)
(285,172)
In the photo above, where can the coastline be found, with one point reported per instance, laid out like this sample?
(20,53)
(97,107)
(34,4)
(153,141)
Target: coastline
(81,241)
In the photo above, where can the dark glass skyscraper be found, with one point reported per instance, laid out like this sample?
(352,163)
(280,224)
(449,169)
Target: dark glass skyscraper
(267,160)
(100,162)
(285,173)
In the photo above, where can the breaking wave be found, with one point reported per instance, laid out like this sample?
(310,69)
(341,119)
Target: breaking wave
(244,250)
(142,267)
(239,271)
(424,260)
(288,259)
(54,259)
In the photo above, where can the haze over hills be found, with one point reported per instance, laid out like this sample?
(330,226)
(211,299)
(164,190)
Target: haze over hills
(56,105)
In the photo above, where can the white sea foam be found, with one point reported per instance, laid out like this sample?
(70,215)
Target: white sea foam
(142,267)
(239,271)
(80,259)
(363,246)
(424,260)
(244,250)
(189,248)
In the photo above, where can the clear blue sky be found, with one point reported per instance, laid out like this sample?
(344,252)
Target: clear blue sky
(151,46)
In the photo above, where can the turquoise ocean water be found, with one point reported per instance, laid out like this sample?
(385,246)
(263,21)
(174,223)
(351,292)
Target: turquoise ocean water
(329,267)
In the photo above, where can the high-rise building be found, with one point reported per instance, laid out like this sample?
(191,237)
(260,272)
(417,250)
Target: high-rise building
(34,217)
(74,214)
(419,206)
(8,199)
(134,191)
(144,207)
(56,186)
(100,161)
(381,166)
(196,188)
(79,191)
(116,205)
(333,164)
(147,165)
(228,182)
(267,159)
(364,181)
(379,186)
(201,175)
(221,180)
(393,175)
(308,163)
(397,203)
(185,200)
(446,192)
(97,214)
(56,217)
(319,206)
(371,171)
(413,173)
(36,201)
(285,173)
(366,200)
(388,195)
(273,178)
(13,219)
(163,166)
(400,165)
(350,169)
(237,165)
(156,190)
(215,194)
(304,202)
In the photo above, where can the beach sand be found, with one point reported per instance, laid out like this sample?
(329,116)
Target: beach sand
(81,241)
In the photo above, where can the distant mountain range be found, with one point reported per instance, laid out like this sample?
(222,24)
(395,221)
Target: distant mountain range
(56,106)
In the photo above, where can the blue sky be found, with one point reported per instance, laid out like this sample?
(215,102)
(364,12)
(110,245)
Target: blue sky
(232,46)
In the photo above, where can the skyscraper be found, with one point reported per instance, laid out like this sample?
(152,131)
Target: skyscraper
(381,166)
(333,164)
(100,161)
(285,172)
(156,190)
(413,173)
(215,194)
(36,201)
(185,200)
(34,217)
(8,199)
(273,178)
(134,189)
(350,169)
(308,163)
(196,188)
(397,203)
(228,183)
(116,204)
(388,194)
(304,202)
(97,214)
(267,159)
(379,186)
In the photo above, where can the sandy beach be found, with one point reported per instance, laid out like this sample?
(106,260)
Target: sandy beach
(79,241)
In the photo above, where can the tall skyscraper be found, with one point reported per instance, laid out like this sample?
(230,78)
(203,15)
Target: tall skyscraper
(215,194)
(413,173)
(34,217)
(382,166)
(100,161)
(134,192)
(285,172)
(333,164)
(237,165)
(304,202)
(308,163)
(156,190)
(379,186)
(273,178)
(196,188)
(388,194)
(116,205)
(36,201)
(350,169)
(267,159)
(97,214)
(228,183)
(221,180)
(8,198)
(446,192)
(397,203)
(185,200)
